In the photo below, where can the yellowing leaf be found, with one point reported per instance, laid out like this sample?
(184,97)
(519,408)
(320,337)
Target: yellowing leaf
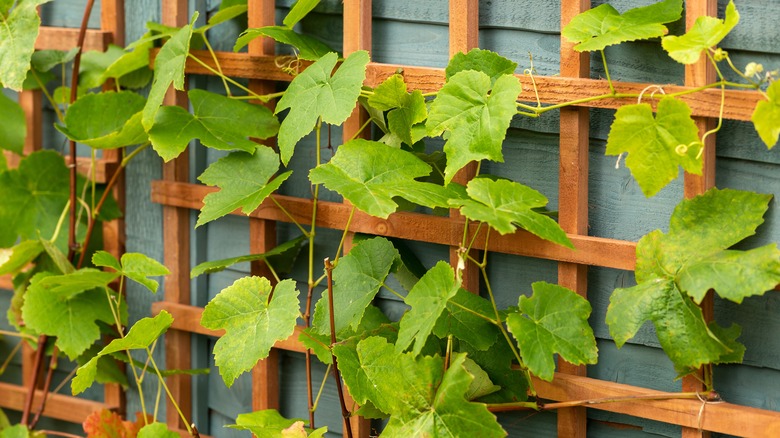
(707,32)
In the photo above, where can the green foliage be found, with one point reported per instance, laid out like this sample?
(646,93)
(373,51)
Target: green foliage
(467,316)
(157,430)
(19,25)
(309,48)
(217,121)
(253,321)
(553,321)
(405,110)
(13,130)
(106,120)
(281,259)
(19,256)
(244,181)
(706,32)
(370,174)
(135,266)
(604,26)
(270,424)
(766,116)
(490,63)
(656,146)
(299,10)
(316,95)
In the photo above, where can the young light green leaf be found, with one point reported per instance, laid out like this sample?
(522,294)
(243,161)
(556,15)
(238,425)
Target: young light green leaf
(490,63)
(14,259)
(504,205)
(16,431)
(405,110)
(460,319)
(475,113)
(13,130)
(269,423)
(554,320)
(222,15)
(369,174)
(428,300)
(106,120)
(316,94)
(168,69)
(157,430)
(604,26)
(309,48)
(252,323)
(73,283)
(133,62)
(356,280)
(244,180)
(218,121)
(656,146)
(766,116)
(45,60)
(281,258)
(706,32)
(299,10)
(135,266)
(18,32)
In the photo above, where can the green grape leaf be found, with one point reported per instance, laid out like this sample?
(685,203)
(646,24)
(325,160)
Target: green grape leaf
(45,60)
(252,322)
(428,300)
(299,10)
(13,130)
(475,113)
(504,205)
(316,94)
(498,362)
(69,316)
(94,63)
(18,32)
(16,258)
(656,146)
(706,32)
(481,385)
(459,319)
(133,62)
(244,181)
(157,430)
(68,285)
(490,63)
(369,174)
(106,120)
(18,431)
(223,15)
(604,26)
(218,122)
(356,280)
(309,48)
(269,423)
(318,344)
(281,258)
(135,266)
(554,320)
(405,110)
(766,116)
(34,196)
(168,69)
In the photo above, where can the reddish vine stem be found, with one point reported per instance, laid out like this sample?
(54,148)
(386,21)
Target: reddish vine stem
(344,412)
(28,398)
(46,387)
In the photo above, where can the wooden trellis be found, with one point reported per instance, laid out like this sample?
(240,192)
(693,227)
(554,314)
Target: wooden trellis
(112,31)
(571,383)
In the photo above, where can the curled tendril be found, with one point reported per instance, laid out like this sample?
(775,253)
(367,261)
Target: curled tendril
(656,89)
(682,149)
(289,64)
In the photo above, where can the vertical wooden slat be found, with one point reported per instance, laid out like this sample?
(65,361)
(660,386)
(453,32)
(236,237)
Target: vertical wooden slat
(699,74)
(176,242)
(573,196)
(262,233)
(464,36)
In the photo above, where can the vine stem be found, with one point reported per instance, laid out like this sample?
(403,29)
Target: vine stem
(344,234)
(344,412)
(46,387)
(228,79)
(606,71)
(28,400)
(190,428)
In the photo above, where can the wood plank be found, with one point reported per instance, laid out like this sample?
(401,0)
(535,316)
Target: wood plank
(6,283)
(594,251)
(64,38)
(112,20)
(58,406)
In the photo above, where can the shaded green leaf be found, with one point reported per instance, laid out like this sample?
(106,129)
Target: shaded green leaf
(94,63)
(475,114)
(498,362)
(553,321)
(315,94)
(106,120)
(461,320)
(309,48)
(218,121)
(18,32)
(281,258)
(252,322)
(269,423)
(766,116)
(45,60)
(481,385)
(405,110)
(299,10)
(244,181)
(604,26)
(490,63)
(656,146)
(13,130)
(706,32)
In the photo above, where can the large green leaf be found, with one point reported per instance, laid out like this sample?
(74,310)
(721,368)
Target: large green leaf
(135,266)
(369,174)
(34,196)
(428,300)
(252,322)
(553,321)
(356,280)
(475,113)
(490,63)
(706,32)
(168,69)
(269,423)
(309,48)
(604,26)
(13,130)
(140,336)
(766,116)
(405,110)
(461,319)
(218,122)
(504,205)
(281,259)
(18,32)
(106,120)
(315,94)
(656,146)
(244,181)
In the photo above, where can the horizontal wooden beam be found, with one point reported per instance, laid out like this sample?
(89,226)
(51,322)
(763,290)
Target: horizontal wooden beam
(103,169)
(65,38)
(552,90)
(59,406)
(6,283)
(588,250)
